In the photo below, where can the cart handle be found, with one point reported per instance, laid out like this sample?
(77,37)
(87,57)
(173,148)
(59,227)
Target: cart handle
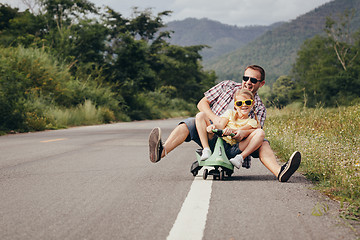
(219,132)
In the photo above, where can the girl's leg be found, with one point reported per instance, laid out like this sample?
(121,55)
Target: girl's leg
(252,142)
(202,122)
(247,146)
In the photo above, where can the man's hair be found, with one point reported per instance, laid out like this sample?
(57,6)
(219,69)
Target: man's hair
(259,69)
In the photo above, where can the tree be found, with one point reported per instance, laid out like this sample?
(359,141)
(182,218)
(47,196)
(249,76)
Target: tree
(326,71)
(282,91)
(19,27)
(342,39)
(71,35)
(144,25)
(182,70)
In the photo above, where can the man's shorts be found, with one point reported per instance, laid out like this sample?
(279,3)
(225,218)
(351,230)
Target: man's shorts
(193,134)
(231,151)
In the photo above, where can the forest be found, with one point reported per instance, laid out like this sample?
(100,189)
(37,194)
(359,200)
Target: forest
(326,71)
(58,66)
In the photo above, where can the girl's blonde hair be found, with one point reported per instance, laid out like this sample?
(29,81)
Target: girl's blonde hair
(244,92)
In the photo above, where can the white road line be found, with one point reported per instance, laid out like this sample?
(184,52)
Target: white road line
(191,220)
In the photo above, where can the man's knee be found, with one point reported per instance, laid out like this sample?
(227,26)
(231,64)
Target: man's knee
(265,144)
(200,115)
(183,128)
(187,129)
(265,149)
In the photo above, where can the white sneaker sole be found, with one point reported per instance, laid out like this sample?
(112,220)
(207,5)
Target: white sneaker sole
(154,141)
(291,167)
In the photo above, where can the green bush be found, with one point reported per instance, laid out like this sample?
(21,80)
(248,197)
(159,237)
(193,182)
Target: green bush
(32,81)
(155,105)
(35,122)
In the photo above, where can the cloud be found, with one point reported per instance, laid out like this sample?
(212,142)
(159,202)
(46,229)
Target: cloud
(233,12)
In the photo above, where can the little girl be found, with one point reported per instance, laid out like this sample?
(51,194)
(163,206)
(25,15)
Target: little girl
(232,121)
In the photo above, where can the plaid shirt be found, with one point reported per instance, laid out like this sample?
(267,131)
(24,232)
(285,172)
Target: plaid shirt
(221,96)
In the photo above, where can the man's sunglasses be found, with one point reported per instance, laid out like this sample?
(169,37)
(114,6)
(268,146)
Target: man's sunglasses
(253,80)
(247,102)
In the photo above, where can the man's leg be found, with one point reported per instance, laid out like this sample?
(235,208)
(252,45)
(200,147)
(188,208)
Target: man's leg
(185,131)
(267,157)
(177,137)
(283,173)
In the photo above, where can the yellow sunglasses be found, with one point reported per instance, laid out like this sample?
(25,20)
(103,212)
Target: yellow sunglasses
(247,102)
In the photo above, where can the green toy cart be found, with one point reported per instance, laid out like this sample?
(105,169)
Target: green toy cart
(222,167)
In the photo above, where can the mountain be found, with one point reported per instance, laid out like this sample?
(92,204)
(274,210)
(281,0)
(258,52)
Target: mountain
(276,50)
(221,38)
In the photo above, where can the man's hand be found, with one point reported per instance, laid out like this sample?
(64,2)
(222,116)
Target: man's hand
(210,128)
(216,120)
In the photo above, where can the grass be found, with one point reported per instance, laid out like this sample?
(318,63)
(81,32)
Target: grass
(41,116)
(83,114)
(328,139)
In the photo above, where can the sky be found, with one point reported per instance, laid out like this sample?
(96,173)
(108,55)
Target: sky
(232,12)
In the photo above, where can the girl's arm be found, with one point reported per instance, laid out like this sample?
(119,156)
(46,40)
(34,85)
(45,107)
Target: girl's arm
(241,134)
(245,131)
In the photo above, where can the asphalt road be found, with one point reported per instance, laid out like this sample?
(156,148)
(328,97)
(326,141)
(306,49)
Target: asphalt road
(97,182)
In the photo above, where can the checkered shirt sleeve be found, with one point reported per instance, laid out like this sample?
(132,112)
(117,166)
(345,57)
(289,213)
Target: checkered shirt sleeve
(260,110)
(221,95)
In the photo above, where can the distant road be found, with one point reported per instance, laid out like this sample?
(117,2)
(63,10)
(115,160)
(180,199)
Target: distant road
(97,182)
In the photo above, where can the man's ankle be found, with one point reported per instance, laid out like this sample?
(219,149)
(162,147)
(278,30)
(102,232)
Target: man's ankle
(278,171)
(164,152)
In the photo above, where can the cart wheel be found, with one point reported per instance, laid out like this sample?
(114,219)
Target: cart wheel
(195,173)
(205,174)
(216,175)
(222,175)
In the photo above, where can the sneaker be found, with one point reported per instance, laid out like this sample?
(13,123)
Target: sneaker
(288,169)
(195,168)
(237,161)
(206,153)
(155,145)
(247,162)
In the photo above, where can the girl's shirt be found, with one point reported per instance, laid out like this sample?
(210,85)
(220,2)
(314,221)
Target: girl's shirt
(236,123)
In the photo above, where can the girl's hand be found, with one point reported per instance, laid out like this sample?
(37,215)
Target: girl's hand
(227,131)
(210,128)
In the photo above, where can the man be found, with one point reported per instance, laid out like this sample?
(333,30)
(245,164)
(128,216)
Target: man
(215,102)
